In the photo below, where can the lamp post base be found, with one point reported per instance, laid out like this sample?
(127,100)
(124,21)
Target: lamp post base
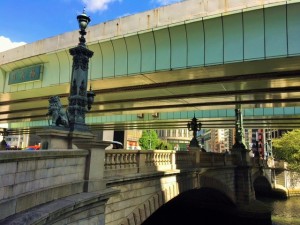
(194,143)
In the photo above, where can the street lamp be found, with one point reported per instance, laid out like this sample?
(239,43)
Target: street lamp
(194,126)
(80,100)
(90,98)
(239,130)
(83,21)
(269,152)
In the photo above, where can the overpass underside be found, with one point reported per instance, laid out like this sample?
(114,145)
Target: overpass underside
(159,74)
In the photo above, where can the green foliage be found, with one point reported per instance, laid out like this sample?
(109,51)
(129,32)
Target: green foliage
(287,148)
(149,140)
(163,145)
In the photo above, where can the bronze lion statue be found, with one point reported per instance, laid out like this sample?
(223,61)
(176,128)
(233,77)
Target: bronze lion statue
(59,115)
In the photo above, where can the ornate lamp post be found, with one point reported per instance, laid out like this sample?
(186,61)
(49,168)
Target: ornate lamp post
(239,130)
(239,148)
(269,152)
(194,126)
(80,100)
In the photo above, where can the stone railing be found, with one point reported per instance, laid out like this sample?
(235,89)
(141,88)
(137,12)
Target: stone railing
(125,162)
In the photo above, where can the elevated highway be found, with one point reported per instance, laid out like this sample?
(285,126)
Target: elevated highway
(157,68)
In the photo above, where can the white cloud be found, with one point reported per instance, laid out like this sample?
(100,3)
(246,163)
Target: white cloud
(97,5)
(166,2)
(6,43)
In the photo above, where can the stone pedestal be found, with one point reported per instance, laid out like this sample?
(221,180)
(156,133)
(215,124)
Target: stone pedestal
(54,138)
(60,138)
(195,149)
(194,143)
(243,175)
(195,152)
(241,155)
(245,193)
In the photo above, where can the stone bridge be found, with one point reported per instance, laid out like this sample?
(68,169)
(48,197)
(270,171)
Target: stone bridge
(79,187)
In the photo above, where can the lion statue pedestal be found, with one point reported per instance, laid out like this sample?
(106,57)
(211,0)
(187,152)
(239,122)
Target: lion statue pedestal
(55,138)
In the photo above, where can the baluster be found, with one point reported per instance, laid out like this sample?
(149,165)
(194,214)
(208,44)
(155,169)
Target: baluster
(152,161)
(156,159)
(127,160)
(106,162)
(109,161)
(167,158)
(149,159)
(122,161)
(134,160)
(119,160)
(114,161)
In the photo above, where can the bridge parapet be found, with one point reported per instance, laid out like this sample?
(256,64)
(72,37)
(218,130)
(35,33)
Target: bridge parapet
(31,178)
(124,162)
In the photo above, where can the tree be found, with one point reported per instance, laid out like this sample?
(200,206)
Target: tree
(164,145)
(149,140)
(287,148)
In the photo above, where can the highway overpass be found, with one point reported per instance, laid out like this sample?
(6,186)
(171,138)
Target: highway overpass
(158,68)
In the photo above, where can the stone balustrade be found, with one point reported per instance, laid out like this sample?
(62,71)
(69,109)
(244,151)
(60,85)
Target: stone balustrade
(124,162)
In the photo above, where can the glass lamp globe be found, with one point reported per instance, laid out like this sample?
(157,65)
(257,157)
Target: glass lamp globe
(83,20)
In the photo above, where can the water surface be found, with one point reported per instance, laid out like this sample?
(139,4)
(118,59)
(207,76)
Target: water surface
(285,211)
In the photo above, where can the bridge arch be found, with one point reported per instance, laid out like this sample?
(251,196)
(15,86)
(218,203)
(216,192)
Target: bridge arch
(202,184)
(200,203)
(262,186)
(214,183)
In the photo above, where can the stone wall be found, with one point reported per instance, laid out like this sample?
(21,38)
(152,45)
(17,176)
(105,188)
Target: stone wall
(293,183)
(138,200)
(142,194)
(289,180)
(30,178)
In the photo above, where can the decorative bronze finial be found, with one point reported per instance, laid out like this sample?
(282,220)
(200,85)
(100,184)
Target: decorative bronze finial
(83,21)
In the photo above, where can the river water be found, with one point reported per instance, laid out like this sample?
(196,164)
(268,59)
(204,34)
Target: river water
(285,211)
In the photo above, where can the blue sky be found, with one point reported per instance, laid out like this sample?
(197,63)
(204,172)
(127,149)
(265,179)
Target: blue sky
(27,21)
